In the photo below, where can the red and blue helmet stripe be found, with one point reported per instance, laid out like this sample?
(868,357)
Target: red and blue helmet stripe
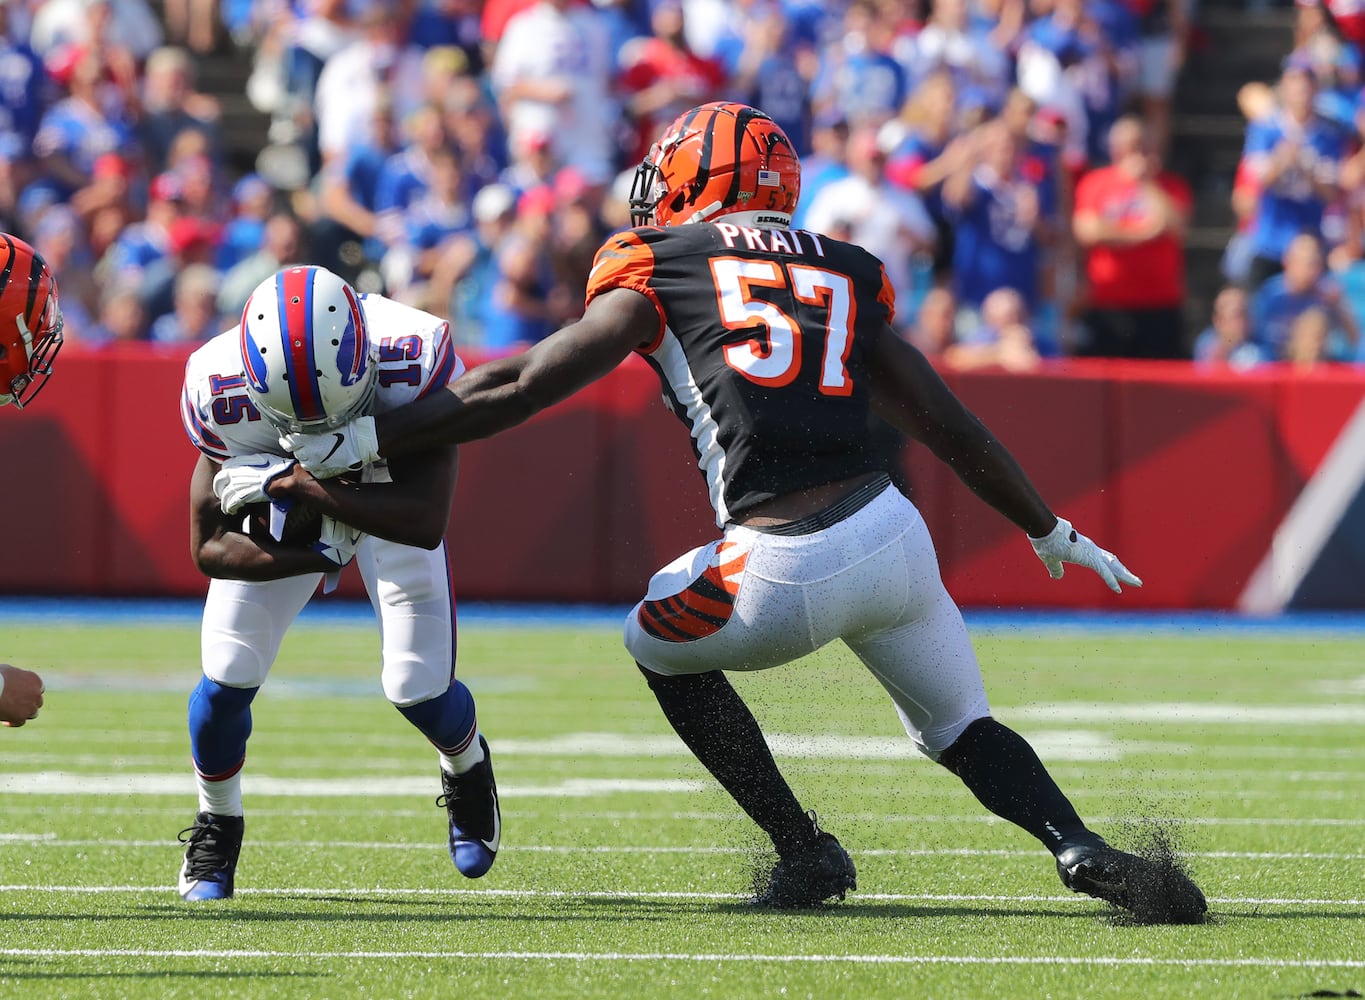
(294,299)
(305,349)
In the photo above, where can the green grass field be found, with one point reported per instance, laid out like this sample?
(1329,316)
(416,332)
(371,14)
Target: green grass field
(624,872)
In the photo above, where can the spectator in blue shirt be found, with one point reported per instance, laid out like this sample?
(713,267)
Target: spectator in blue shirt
(1295,157)
(858,78)
(1227,340)
(24,89)
(827,163)
(194,317)
(769,76)
(348,190)
(406,175)
(252,199)
(1002,219)
(429,225)
(1303,285)
(79,129)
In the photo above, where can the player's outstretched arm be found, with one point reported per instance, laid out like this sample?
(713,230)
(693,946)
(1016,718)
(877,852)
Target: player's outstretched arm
(909,394)
(493,396)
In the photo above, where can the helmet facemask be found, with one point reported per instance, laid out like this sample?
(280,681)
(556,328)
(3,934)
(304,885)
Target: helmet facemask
(41,348)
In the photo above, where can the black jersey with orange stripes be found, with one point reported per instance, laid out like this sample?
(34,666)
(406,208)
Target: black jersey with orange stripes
(762,348)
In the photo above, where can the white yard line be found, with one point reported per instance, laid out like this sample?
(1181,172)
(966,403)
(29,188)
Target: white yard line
(52,840)
(893,897)
(614,815)
(619,956)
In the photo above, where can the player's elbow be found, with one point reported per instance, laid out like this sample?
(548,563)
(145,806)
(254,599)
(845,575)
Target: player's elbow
(424,526)
(428,537)
(210,558)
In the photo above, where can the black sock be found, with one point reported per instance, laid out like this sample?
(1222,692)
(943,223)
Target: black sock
(1002,770)
(711,718)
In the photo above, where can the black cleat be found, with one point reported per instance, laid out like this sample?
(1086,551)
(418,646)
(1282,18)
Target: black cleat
(471,799)
(1154,891)
(807,879)
(212,846)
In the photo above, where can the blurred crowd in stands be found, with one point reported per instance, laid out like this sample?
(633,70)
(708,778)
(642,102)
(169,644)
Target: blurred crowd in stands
(1003,157)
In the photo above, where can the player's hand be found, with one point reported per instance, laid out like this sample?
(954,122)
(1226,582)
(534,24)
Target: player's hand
(1064,544)
(330,453)
(20,696)
(338,542)
(243,480)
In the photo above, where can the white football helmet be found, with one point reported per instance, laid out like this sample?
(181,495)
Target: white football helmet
(306,352)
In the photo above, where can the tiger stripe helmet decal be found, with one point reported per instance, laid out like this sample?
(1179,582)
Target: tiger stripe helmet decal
(715,160)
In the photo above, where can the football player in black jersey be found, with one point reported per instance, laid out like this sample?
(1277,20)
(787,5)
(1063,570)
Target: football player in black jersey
(774,346)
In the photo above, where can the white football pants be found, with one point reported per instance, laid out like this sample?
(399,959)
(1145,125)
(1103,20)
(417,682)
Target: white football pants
(409,587)
(751,601)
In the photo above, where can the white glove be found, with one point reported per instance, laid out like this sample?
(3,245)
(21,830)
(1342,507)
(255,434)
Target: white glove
(1064,544)
(338,543)
(243,480)
(330,453)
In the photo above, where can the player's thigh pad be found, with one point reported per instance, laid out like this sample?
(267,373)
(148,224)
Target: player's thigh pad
(245,622)
(410,590)
(924,658)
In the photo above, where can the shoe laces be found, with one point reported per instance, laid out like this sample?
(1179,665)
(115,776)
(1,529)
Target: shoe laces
(209,848)
(467,785)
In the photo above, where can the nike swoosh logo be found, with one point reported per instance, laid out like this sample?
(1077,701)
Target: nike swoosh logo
(492,845)
(257,465)
(341,439)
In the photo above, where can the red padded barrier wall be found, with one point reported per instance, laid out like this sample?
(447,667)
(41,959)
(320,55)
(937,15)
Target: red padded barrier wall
(1059,429)
(1201,482)
(56,503)
(1182,473)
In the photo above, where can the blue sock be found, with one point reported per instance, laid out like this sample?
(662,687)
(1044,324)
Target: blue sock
(220,722)
(448,720)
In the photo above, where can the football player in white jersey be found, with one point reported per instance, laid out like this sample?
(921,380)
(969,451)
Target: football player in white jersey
(310,354)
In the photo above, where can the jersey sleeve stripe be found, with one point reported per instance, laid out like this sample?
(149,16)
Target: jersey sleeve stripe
(200,435)
(443,370)
(886,295)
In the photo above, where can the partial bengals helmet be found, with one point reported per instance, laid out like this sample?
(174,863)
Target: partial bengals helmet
(30,322)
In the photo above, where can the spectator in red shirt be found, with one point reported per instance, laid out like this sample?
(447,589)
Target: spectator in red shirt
(662,77)
(1130,221)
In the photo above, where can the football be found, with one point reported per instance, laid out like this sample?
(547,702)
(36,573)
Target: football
(302,525)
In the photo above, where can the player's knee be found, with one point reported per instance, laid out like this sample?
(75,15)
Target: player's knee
(235,664)
(410,680)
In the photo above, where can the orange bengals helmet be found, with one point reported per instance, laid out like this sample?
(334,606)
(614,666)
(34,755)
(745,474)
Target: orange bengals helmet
(720,159)
(30,321)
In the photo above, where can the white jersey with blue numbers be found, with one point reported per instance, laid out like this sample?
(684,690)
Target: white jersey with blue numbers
(414,356)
